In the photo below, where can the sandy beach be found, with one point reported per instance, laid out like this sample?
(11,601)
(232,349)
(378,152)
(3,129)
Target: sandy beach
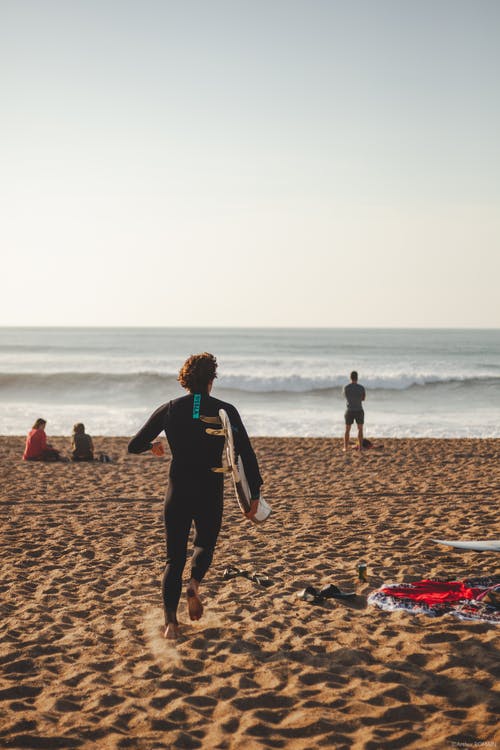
(84,664)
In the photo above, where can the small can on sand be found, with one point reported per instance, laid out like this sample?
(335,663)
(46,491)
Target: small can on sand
(362,571)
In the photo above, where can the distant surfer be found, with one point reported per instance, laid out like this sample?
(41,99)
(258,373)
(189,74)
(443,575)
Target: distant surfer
(194,492)
(354,394)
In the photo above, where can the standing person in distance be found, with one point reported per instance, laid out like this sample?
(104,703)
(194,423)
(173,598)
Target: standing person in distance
(354,394)
(194,492)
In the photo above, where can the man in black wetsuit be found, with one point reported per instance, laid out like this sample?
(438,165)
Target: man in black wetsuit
(195,491)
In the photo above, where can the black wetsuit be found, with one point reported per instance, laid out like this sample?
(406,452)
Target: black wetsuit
(195,492)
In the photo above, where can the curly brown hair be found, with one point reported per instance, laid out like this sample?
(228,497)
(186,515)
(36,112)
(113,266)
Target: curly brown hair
(197,372)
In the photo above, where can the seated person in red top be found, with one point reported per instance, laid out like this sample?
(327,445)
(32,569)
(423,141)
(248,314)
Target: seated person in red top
(36,444)
(82,448)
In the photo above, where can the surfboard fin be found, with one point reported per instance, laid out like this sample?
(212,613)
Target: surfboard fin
(211,420)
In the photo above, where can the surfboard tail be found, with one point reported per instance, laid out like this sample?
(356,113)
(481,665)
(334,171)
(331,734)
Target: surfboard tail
(263,511)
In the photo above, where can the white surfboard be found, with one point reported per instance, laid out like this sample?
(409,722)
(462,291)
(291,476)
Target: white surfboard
(256,510)
(492,545)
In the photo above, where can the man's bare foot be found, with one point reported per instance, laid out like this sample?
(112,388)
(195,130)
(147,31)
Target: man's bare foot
(195,607)
(172,631)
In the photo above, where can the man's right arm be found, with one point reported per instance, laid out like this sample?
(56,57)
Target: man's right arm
(142,442)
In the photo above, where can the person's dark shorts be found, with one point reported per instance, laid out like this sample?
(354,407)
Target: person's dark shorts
(354,416)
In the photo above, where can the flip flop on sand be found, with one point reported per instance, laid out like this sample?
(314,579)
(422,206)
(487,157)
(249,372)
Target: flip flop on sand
(260,578)
(330,591)
(309,594)
(195,607)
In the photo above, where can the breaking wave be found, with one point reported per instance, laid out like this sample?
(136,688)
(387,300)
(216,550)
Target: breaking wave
(63,384)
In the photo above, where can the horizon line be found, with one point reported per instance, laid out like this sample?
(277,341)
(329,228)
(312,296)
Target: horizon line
(257,327)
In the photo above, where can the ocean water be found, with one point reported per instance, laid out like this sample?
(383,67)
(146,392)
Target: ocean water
(288,382)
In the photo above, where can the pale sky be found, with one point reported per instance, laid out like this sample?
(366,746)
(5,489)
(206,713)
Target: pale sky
(260,162)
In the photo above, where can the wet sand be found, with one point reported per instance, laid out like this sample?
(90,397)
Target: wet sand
(83,661)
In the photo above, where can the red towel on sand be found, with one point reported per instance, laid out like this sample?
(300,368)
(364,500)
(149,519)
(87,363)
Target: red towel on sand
(433,592)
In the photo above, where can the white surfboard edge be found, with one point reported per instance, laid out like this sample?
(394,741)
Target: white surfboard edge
(488,545)
(241,488)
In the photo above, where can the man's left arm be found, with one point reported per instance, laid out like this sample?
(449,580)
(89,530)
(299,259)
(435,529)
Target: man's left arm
(247,453)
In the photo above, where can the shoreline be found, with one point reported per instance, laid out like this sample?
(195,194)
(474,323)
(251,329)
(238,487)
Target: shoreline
(82,552)
(337,437)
